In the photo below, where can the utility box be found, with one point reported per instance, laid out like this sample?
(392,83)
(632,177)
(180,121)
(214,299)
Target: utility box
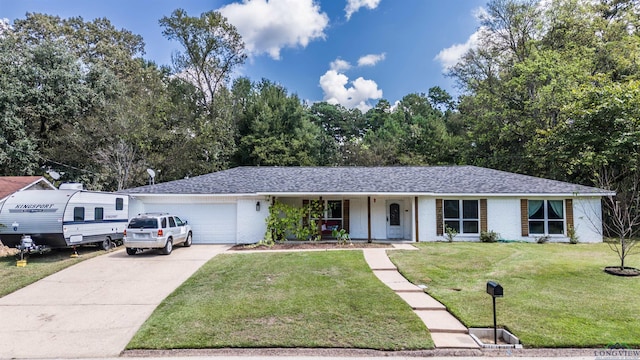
(494,289)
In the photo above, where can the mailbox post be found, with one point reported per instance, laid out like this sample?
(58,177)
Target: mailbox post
(495,290)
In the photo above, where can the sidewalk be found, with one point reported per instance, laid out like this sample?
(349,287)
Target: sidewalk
(446,330)
(92,309)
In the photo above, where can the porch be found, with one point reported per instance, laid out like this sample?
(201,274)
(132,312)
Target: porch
(364,217)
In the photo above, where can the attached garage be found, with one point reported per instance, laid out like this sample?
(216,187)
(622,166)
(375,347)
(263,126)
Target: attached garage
(213,219)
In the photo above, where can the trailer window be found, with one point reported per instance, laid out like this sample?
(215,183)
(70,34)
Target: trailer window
(78,214)
(119,204)
(98,213)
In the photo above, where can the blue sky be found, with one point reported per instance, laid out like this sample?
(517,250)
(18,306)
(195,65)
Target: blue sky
(349,52)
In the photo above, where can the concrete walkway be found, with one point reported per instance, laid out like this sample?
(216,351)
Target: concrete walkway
(94,308)
(446,330)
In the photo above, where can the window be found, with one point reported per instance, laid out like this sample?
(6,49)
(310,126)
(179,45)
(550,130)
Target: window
(98,213)
(179,222)
(78,214)
(394,214)
(163,222)
(462,216)
(172,223)
(332,216)
(119,204)
(546,217)
(334,209)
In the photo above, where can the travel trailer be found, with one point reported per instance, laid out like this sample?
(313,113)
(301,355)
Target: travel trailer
(64,218)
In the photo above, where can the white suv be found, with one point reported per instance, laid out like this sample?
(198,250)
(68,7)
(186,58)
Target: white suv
(156,231)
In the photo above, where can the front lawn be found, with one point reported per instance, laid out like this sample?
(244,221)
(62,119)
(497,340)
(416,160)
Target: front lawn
(555,295)
(302,299)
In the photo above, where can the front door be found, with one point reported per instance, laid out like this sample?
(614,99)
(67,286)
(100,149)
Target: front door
(394,220)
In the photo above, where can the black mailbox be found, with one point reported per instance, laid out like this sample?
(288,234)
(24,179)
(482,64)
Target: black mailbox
(494,289)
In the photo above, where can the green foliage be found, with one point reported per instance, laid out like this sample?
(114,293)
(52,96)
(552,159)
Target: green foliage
(572,235)
(275,130)
(287,220)
(450,232)
(489,236)
(342,236)
(213,48)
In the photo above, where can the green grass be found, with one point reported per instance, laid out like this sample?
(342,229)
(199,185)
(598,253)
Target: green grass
(38,267)
(303,299)
(555,295)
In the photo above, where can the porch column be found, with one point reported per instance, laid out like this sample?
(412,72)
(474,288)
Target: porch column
(369,218)
(320,218)
(415,214)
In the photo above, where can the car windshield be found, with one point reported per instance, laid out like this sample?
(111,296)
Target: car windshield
(138,223)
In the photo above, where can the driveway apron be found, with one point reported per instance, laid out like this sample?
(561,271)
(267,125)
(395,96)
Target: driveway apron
(94,308)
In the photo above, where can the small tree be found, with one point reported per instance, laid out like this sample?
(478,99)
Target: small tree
(622,211)
(451,233)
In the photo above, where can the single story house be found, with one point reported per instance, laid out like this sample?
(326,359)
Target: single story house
(381,203)
(11,184)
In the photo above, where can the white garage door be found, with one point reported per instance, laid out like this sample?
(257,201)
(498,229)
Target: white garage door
(211,223)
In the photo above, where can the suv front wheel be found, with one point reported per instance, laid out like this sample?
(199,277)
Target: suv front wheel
(188,242)
(168,247)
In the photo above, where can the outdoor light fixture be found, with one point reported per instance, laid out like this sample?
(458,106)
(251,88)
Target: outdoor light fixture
(257,205)
(495,290)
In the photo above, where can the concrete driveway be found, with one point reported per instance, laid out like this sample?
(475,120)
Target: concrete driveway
(92,309)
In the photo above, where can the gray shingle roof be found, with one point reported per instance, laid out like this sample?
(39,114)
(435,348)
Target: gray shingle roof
(335,180)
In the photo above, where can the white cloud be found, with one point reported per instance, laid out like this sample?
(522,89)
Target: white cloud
(336,91)
(270,26)
(5,25)
(340,65)
(371,59)
(355,5)
(450,56)
(480,13)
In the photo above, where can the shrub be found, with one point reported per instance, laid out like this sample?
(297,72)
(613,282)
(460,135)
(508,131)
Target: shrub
(451,233)
(572,235)
(489,236)
(342,236)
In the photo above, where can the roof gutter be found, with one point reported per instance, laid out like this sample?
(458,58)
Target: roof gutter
(388,194)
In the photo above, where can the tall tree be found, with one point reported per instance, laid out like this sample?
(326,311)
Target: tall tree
(276,130)
(18,150)
(212,51)
(93,42)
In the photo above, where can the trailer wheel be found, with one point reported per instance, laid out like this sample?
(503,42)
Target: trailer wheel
(187,242)
(106,244)
(168,247)
(132,251)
